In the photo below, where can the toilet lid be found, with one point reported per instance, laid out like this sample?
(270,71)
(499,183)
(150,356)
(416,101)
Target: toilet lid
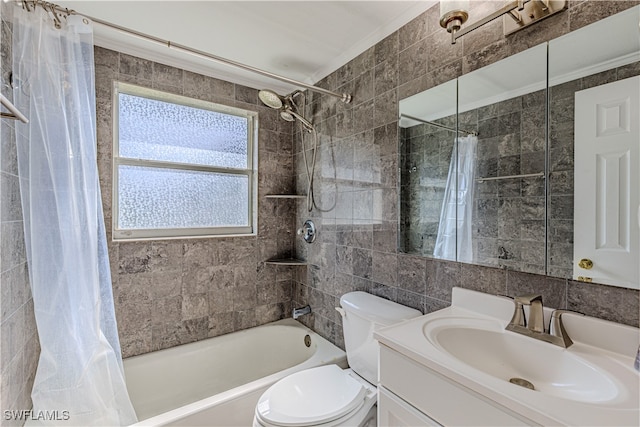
(312,396)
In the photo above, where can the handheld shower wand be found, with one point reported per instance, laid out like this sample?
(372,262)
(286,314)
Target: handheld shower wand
(287,107)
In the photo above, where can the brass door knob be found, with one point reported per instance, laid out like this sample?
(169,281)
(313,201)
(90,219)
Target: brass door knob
(585,279)
(587,264)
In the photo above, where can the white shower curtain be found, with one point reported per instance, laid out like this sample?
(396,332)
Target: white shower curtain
(79,375)
(455,227)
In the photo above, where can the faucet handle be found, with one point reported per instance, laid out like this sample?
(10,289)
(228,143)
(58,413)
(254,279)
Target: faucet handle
(518,318)
(556,327)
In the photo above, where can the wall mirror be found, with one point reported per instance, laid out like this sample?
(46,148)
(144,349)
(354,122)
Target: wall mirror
(489,173)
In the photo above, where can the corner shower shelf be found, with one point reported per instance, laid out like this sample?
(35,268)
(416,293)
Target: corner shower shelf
(286,261)
(285,196)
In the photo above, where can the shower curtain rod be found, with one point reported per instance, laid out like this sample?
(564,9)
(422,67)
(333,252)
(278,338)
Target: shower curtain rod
(344,97)
(14,113)
(438,125)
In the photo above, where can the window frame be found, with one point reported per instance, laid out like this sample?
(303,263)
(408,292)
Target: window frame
(193,232)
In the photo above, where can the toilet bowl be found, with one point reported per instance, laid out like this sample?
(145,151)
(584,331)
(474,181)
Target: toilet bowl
(329,395)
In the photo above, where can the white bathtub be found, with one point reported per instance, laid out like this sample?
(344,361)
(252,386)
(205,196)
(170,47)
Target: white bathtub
(218,381)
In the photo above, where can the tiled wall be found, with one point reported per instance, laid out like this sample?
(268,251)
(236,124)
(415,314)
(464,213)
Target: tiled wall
(170,292)
(19,346)
(356,177)
(425,157)
(508,216)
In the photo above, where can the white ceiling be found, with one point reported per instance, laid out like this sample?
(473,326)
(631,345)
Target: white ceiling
(301,40)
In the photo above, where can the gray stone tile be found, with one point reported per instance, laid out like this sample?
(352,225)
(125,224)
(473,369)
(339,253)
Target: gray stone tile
(590,11)
(432,304)
(386,76)
(135,67)
(412,32)
(485,35)
(167,310)
(244,319)
(442,276)
(412,63)
(134,258)
(411,299)
(553,291)
(106,59)
(246,94)
(483,279)
(12,245)
(195,306)
(363,89)
(412,273)
(384,268)
(385,237)
(440,51)
(488,55)
(387,48)
(607,302)
(220,324)
(362,263)
(10,203)
(630,70)
(166,75)
(386,108)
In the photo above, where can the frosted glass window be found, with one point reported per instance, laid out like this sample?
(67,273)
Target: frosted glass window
(182,167)
(158,130)
(169,198)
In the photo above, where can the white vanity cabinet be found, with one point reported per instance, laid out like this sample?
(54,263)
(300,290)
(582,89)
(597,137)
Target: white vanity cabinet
(453,367)
(393,411)
(410,394)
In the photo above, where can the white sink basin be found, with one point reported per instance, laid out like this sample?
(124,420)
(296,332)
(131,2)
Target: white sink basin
(486,346)
(591,383)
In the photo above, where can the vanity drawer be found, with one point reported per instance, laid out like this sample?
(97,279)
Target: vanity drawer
(395,412)
(439,398)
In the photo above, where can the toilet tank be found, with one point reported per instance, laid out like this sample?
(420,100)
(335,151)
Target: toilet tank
(362,314)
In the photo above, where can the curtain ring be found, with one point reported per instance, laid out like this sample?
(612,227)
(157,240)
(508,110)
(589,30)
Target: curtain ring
(56,19)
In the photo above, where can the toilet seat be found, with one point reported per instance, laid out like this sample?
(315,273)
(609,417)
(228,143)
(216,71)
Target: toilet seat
(313,397)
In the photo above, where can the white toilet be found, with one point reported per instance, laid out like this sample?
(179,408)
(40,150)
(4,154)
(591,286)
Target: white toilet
(328,395)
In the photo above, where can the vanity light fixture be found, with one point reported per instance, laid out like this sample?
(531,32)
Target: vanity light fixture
(517,14)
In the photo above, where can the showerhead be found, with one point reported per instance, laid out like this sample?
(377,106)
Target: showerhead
(271,99)
(286,115)
(285,104)
(290,113)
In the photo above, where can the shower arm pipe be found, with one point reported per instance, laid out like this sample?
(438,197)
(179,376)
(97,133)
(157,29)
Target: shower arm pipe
(344,97)
(438,125)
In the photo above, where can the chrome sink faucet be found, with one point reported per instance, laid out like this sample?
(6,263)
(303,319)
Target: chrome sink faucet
(535,329)
(536,312)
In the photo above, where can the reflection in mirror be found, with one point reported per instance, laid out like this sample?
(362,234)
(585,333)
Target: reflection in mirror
(594,152)
(494,215)
(427,131)
(505,102)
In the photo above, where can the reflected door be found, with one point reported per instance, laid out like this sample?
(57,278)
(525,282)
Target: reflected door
(607,183)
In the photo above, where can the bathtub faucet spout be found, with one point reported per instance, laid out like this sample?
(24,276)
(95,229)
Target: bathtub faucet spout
(297,312)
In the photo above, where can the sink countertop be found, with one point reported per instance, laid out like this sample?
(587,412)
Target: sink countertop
(599,343)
